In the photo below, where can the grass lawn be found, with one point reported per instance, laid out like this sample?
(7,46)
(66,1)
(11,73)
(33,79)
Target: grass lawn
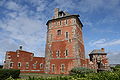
(36,75)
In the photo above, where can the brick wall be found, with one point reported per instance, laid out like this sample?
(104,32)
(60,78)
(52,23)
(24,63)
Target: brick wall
(25,61)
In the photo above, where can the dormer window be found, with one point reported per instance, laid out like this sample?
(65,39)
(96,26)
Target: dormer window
(58,32)
(61,14)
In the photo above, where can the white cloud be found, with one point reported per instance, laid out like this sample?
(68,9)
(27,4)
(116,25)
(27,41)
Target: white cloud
(22,27)
(12,5)
(104,43)
(113,57)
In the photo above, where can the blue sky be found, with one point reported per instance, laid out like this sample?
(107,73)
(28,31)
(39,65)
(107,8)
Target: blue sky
(23,22)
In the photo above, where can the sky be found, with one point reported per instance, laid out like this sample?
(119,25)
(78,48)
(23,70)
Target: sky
(23,22)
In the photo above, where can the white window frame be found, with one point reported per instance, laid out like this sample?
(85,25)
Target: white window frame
(34,66)
(18,64)
(60,32)
(41,65)
(67,34)
(57,53)
(12,64)
(62,68)
(27,63)
(67,52)
(52,67)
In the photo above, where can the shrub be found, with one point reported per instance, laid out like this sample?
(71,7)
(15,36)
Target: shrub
(6,73)
(81,70)
(105,75)
(117,66)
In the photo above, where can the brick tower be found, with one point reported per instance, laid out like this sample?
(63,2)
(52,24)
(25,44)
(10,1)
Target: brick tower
(64,46)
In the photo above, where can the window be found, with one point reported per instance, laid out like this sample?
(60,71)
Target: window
(34,65)
(41,65)
(74,21)
(66,35)
(53,67)
(62,67)
(56,23)
(19,64)
(58,53)
(66,52)
(60,22)
(58,32)
(17,55)
(27,64)
(65,21)
(11,64)
(51,37)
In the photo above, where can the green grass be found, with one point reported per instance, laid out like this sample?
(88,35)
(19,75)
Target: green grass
(37,75)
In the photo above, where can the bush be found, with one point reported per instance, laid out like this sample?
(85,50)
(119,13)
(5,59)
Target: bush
(81,70)
(6,73)
(1,66)
(117,66)
(105,75)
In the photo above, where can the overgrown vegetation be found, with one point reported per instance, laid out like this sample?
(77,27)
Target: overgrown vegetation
(81,70)
(83,74)
(6,73)
(1,66)
(89,76)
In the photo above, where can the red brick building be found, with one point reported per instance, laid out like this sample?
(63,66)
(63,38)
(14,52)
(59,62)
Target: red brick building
(64,49)
(25,61)
(99,59)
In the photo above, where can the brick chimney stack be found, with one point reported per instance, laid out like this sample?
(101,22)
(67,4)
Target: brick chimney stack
(102,49)
(56,11)
(20,47)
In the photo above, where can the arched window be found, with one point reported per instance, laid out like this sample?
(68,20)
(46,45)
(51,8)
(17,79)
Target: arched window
(19,64)
(53,67)
(58,32)
(62,67)
(41,65)
(11,64)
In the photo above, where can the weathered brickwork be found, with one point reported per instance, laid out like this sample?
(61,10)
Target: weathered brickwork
(99,59)
(64,36)
(64,49)
(25,61)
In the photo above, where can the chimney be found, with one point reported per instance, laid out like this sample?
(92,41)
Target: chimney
(102,49)
(20,47)
(56,11)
